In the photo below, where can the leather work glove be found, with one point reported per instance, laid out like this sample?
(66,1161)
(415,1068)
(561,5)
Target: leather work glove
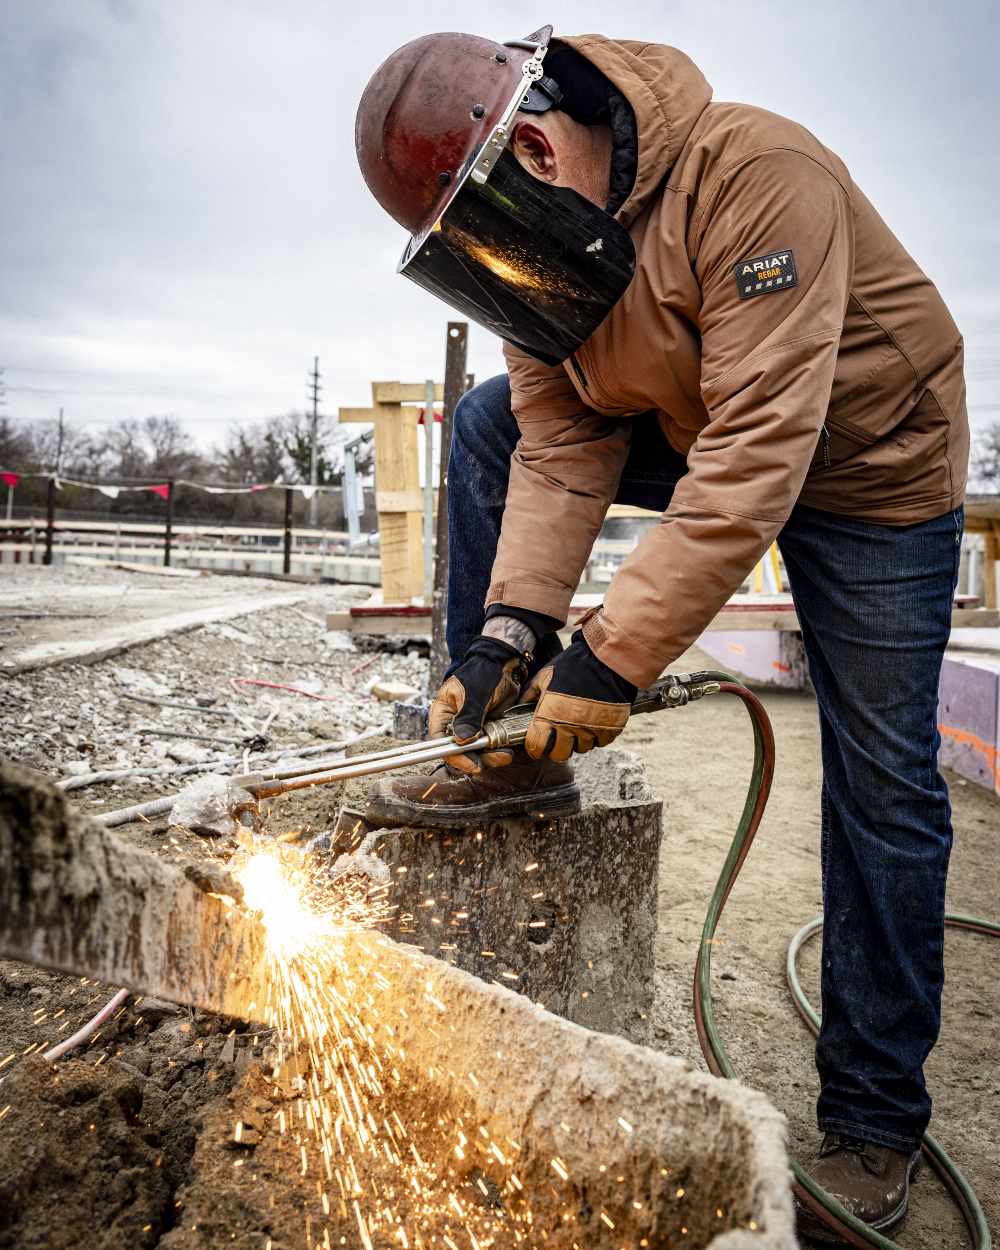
(581,704)
(484,685)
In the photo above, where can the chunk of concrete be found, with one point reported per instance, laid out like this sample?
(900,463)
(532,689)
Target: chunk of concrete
(393,691)
(75,897)
(562,910)
(409,719)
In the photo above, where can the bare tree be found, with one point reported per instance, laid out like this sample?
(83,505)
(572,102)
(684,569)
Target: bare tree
(168,447)
(125,453)
(15,445)
(55,446)
(253,453)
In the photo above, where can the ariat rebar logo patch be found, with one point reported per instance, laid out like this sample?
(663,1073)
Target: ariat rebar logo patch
(773,272)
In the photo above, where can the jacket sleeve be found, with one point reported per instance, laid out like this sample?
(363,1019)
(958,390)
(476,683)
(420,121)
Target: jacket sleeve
(563,475)
(767,372)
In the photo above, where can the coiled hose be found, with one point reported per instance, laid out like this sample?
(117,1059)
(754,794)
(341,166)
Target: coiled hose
(809,1194)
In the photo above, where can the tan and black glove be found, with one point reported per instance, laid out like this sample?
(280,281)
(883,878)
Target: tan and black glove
(582,704)
(484,685)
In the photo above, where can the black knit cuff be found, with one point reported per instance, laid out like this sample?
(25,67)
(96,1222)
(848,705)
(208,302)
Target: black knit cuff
(580,672)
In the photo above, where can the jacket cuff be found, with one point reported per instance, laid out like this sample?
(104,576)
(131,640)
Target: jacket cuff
(547,598)
(625,655)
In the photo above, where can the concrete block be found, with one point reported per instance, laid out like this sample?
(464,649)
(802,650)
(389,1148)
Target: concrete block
(969,717)
(562,910)
(77,898)
(770,657)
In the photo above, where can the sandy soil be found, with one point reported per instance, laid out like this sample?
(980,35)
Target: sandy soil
(130,1143)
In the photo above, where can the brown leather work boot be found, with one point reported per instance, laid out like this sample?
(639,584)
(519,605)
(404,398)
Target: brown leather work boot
(446,798)
(872,1182)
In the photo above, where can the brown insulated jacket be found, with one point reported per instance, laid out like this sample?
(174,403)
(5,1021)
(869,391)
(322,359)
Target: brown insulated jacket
(793,350)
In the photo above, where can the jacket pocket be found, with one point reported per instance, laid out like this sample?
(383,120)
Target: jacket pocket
(838,441)
(874,384)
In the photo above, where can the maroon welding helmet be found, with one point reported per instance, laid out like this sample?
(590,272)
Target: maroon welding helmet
(539,265)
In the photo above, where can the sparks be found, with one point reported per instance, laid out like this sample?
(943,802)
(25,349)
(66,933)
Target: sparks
(337,1060)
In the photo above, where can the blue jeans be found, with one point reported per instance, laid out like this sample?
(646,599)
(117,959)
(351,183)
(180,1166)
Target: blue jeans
(874,606)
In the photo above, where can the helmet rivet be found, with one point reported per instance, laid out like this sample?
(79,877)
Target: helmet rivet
(501,57)
(444,177)
(478,110)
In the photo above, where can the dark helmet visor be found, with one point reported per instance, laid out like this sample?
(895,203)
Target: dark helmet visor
(539,265)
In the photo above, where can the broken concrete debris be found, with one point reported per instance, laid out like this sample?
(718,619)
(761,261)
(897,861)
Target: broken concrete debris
(206,805)
(119,716)
(392,691)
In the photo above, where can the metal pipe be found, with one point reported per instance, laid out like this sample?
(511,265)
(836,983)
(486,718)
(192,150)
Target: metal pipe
(248,780)
(422,754)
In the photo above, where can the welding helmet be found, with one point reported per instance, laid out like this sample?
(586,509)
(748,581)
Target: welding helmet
(539,265)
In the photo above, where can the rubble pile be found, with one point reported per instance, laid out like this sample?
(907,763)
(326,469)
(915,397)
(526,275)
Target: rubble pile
(207,698)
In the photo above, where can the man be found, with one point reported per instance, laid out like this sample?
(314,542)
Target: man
(702,314)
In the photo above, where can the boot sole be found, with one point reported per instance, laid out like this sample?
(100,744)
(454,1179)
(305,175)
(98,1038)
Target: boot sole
(828,1237)
(557,801)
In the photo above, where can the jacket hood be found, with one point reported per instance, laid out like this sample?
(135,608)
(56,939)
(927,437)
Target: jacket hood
(667,93)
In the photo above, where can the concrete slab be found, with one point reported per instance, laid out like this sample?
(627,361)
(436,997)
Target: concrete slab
(100,645)
(770,657)
(969,698)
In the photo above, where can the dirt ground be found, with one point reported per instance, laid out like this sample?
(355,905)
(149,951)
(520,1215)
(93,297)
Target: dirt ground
(130,1142)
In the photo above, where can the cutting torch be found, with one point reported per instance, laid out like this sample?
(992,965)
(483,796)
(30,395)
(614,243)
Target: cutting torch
(508,730)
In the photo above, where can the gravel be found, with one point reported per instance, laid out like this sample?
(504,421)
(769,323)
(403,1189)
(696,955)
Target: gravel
(72,719)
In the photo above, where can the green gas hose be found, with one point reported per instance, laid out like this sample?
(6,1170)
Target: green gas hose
(809,1194)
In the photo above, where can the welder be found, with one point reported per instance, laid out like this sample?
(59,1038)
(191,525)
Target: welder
(702,314)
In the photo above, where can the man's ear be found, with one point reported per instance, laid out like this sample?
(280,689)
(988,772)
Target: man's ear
(533,148)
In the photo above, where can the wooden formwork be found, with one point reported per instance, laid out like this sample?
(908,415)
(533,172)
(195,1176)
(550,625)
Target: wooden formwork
(398,498)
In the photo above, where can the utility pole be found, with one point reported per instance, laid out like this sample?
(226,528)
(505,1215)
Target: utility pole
(314,389)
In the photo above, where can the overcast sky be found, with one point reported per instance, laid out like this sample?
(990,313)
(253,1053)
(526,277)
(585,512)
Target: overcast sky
(184,225)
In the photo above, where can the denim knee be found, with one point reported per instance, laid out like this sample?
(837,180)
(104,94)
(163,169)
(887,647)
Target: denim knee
(482,415)
(484,435)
